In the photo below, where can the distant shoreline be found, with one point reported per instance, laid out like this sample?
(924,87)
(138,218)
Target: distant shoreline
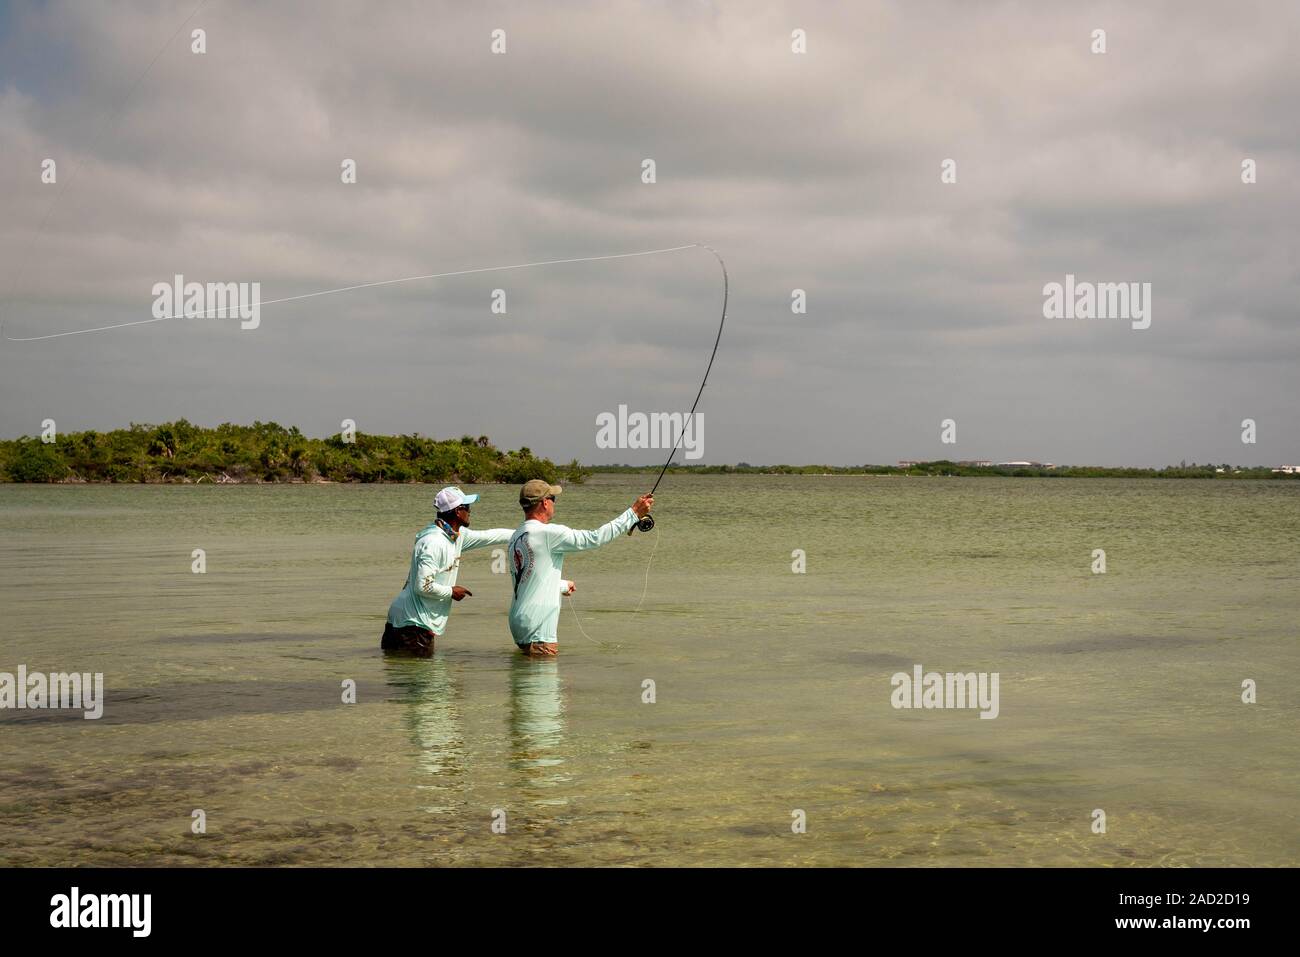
(266,453)
(720,470)
(948,469)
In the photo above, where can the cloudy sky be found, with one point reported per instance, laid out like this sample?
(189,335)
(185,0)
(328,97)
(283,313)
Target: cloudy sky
(817,171)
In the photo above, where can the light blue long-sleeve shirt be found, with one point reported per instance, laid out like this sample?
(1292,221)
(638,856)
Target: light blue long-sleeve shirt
(425,600)
(536,555)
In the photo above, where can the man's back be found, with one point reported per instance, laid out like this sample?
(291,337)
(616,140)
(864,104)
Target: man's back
(535,570)
(537,551)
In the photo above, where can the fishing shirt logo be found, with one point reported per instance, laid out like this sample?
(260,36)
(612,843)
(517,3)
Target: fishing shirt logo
(521,559)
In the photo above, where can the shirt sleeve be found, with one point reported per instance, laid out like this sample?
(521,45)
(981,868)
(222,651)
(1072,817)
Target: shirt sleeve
(428,567)
(565,539)
(473,538)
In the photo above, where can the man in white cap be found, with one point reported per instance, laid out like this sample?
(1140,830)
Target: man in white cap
(537,552)
(419,613)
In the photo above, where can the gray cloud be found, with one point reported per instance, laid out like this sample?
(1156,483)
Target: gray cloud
(819,172)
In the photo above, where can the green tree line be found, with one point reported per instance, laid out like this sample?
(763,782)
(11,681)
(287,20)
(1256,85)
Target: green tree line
(266,452)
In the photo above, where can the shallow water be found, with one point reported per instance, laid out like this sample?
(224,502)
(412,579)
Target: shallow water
(1119,691)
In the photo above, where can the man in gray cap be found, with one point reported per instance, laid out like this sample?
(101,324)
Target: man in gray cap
(419,613)
(537,551)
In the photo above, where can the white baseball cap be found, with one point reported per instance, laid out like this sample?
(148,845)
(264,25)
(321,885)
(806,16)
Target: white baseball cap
(452,498)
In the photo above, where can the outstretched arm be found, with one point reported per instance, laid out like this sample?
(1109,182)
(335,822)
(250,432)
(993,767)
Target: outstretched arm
(474,538)
(565,539)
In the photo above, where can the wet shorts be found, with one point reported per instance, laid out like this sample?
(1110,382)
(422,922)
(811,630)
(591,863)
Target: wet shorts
(411,639)
(541,649)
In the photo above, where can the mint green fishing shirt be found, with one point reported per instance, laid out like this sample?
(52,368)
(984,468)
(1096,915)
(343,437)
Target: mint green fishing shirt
(425,600)
(536,555)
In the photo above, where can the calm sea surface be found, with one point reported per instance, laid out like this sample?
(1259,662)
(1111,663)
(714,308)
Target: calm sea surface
(1118,691)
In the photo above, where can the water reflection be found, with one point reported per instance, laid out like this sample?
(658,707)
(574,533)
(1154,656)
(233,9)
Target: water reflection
(428,688)
(537,743)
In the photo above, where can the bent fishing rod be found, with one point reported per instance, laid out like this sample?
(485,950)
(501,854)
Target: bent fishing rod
(648,522)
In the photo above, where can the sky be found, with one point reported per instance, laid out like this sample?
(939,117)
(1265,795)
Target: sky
(820,171)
